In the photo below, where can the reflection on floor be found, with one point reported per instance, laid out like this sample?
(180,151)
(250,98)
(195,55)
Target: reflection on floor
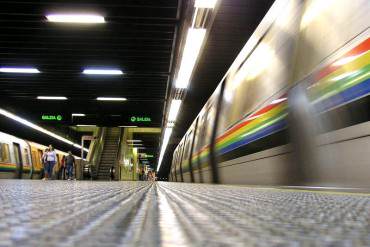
(69,213)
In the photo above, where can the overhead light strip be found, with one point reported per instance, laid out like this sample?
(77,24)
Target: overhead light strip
(78,115)
(208,4)
(194,41)
(166,138)
(110,99)
(76,18)
(38,128)
(52,98)
(174,110)
(102,72)
(19,70)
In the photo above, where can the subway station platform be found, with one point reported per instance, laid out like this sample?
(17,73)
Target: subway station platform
(79,213)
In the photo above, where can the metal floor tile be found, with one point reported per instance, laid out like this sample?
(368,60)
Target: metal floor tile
(69,213)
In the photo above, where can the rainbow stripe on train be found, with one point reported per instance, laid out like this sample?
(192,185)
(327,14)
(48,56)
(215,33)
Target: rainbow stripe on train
(344,80)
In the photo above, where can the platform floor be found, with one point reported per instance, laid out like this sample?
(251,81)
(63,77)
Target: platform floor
(66,213)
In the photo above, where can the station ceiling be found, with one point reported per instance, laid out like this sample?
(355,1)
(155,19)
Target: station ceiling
(137,38)
(140,37)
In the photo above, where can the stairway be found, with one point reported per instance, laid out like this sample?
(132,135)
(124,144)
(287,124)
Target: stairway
(109,154)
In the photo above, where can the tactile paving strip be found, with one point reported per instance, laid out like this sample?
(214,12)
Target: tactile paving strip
(67,213)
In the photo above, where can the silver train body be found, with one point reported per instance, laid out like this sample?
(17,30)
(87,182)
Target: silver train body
(293,108)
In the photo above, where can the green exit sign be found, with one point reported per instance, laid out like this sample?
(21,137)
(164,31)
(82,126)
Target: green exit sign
(52,117)
(136,119)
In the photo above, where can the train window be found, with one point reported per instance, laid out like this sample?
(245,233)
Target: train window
(4,152)
(26,157)
(199,139)
(189,139)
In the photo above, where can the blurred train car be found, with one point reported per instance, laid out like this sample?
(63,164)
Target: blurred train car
(22,159)
(293,108)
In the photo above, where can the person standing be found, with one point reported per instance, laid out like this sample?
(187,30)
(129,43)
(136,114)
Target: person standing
(69,163)
(51,160)
(45,165)
(62,170)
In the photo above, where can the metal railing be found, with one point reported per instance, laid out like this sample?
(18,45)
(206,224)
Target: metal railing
(118,153)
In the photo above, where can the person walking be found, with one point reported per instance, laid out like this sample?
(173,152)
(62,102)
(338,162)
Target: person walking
(69,163)
(51,160)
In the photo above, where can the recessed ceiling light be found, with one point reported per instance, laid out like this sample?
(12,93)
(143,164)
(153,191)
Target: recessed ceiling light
(135,144)
(76,18)
(78,115)
(127,126)
(19,70)
(110,99)
(52,97)
(102,72)
(134,140)
(85,125)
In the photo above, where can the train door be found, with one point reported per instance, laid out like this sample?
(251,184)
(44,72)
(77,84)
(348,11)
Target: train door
(40,162)
(181,159)
(18,160)
(26,162)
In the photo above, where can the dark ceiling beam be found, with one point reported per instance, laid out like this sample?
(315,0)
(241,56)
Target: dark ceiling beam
(44,2)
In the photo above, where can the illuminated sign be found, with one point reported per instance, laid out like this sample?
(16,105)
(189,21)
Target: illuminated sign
(136,119)
(144,156)
(52,117)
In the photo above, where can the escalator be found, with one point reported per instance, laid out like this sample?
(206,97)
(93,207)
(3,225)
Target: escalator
(109,155)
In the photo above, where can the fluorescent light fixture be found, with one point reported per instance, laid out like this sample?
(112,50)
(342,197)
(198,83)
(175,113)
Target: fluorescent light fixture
(85,125)
(78,115)
(170,124)
(76,18)
(140,147)
(134,141)
(19,70)
(102,72)
(166,138)
(127,126)
(194,41)
(174,109)
(209,4)
(135,144)
(38,128)
(110,99)
(52,97)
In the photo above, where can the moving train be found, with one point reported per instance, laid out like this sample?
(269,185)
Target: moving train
(293,108)
(22,159)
